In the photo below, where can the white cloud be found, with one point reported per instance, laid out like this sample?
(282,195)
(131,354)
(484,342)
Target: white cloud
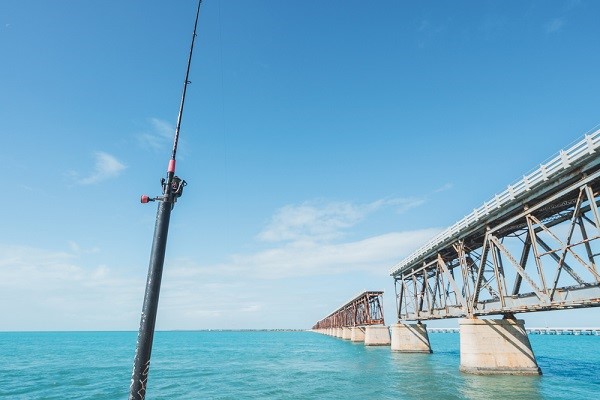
(61,291)
(373,255)
(444,188)
(159,137)
(555,25)
(400,205)
(323,222)
(77,249)
(106,167)
(49,290)
(287,285)
(74,246)
(311,221)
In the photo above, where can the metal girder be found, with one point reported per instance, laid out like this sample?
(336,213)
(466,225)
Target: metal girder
(545,243)
(557,173)
(364,309)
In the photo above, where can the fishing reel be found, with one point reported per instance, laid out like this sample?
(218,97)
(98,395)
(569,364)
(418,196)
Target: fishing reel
(170,193)
(177,185)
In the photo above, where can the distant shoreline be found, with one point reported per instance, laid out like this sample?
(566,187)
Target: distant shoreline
(158,330)
(534,330)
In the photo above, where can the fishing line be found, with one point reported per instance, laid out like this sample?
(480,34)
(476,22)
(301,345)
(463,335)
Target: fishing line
(185,85)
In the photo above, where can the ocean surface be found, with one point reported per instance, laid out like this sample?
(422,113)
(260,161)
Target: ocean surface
(279,365)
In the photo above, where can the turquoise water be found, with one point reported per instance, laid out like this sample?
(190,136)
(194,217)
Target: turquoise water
(279,365)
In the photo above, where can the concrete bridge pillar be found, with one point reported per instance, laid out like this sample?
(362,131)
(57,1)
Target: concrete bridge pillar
(346,332)
(377,335)
(410,338)
(338,332)
(358,334)
(498,346)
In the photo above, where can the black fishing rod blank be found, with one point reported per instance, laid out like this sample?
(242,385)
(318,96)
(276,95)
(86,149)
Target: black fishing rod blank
(172,189)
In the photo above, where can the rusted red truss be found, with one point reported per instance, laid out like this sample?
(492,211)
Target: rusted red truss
(364,309)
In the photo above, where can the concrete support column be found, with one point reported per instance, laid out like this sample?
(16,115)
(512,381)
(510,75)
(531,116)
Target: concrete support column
(410,338)
(499,346)
(377,335)
(338,332)
(358,334)
(346,332)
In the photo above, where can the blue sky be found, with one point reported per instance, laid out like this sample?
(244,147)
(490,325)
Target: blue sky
(322,143)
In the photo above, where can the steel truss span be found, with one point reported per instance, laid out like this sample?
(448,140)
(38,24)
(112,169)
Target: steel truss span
(364,309)
(534,248)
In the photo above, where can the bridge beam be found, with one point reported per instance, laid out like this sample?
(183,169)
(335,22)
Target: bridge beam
(496,346)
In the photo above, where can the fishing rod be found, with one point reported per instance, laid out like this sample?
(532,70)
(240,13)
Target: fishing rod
(172,189)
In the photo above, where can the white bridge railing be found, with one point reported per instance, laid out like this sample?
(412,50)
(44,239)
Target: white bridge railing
(563,161)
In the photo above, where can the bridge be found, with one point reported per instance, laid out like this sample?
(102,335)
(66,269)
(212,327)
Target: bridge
(359,319)
(532,247)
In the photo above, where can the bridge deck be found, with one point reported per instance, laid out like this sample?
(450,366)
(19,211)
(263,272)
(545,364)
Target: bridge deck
(558,171)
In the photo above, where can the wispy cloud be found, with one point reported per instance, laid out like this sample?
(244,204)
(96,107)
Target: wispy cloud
(373,254)
(318,222)
(305,251)
(445,187)
(400,205)
(278,278)
(50,290)
(56,290)
(77,249)
(159,135)
(106,167)
(554,26)
(325,221)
